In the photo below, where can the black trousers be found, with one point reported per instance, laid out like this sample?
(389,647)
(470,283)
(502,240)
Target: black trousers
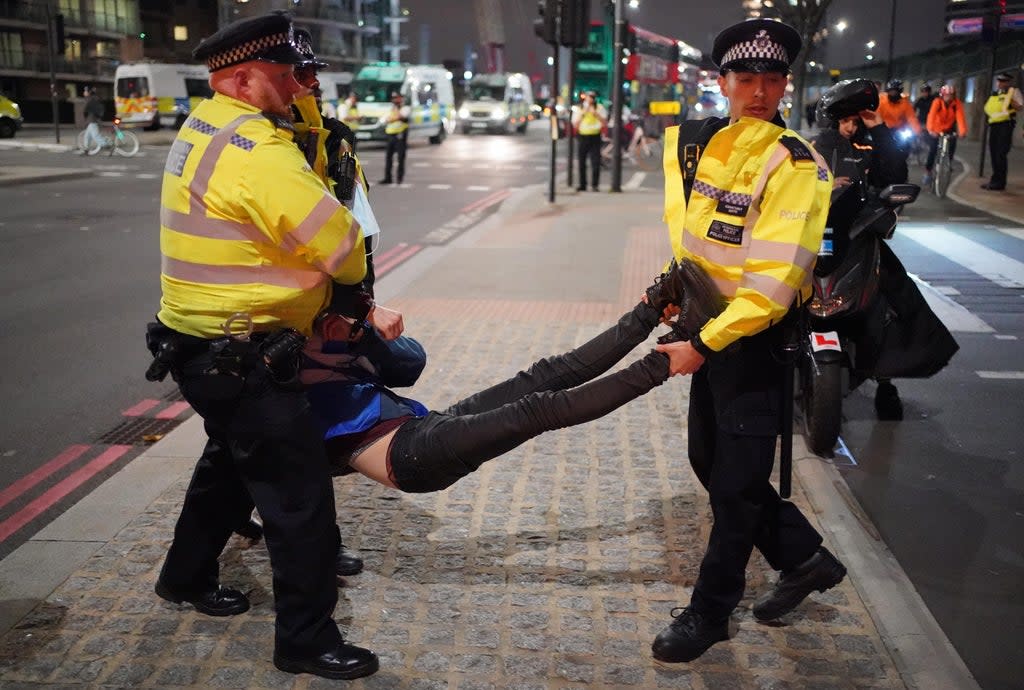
(1000,138)
(433,452)
(264,450)
(397,143)
(590,151)
(933,151)
(733,423)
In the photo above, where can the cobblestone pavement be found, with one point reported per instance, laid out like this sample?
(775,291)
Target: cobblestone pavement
(553,567)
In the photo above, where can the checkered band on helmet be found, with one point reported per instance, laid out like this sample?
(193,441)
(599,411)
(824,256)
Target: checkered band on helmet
(761,47)
(248,51)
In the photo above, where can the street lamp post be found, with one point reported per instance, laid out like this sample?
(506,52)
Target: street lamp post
(616,185)
(892,40)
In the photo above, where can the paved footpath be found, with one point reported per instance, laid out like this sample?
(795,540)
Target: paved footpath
(553,567)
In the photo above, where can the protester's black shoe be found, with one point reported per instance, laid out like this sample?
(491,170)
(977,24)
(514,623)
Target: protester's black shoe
(819,572)
(251,530)
(386,180)
(667,289)
(688,636)
(581,189)
(888,405)
(218,601)
(344,663)
(347,562)
(992,188)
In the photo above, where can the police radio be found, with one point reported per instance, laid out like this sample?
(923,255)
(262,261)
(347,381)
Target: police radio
(344,175)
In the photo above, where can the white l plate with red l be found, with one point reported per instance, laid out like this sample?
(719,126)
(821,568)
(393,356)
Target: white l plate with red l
(825,341)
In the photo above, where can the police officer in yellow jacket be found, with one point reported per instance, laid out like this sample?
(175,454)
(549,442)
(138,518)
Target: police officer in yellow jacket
(754,221)
(1001,108)
(251,241)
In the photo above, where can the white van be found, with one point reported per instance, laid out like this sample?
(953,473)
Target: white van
(428,93)
(497,103)
(335,87)
(151,94)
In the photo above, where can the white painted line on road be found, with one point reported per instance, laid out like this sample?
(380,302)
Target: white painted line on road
(421,165)
(1005,336)
(1000,374)
(477,188)
(481,166)
(147,176)
(966,218)
(439,186)
(110,173)
(987,263)
(541,167)
(948,290)
(1013,232)
(451,165)
(635,181)
(955,316)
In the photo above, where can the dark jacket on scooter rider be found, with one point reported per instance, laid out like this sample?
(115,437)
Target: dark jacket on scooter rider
(904,338)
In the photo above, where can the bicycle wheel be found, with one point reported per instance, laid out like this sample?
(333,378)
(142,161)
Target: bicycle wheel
(648,154)
(94,146)
(126,143)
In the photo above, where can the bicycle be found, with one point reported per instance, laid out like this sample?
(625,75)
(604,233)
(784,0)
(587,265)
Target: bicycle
(919,149)
(120,141)
(943,171)
(643,151)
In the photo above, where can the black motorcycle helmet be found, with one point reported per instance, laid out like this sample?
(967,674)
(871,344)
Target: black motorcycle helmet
(894,85)
(844,99)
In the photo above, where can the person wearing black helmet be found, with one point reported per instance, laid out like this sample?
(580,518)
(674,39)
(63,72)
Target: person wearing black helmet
(863,154)
(897,112)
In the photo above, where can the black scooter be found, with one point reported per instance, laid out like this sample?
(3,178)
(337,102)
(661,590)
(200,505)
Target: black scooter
(845,301)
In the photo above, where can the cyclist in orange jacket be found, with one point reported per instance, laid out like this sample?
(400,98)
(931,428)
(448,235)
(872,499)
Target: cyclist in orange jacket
(898,113)
(945,116)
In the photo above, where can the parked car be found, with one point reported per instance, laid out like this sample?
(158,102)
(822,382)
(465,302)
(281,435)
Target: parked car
(10,117)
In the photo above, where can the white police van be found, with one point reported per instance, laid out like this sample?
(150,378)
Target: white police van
(428,93)
(497,103)
(151,94)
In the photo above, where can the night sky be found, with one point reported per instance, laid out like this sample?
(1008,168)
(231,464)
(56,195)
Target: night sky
(919,26)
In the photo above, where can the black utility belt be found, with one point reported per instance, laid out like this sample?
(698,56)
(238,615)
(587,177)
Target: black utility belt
(179,353)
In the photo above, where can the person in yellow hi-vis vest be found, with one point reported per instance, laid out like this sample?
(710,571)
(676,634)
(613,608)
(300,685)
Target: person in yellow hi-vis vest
(251,242)
(589,120)
(1002,108)
(397,129)
(746,198)
(349,112)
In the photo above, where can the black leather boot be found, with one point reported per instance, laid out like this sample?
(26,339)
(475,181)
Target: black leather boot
(819,572)
(345,662)
(347,562)
(689,635)
(888,405)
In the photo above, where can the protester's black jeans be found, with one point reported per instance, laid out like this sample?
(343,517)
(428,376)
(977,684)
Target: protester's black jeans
(433,452)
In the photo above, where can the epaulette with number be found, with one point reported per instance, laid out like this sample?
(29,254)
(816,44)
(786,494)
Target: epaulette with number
(798,150)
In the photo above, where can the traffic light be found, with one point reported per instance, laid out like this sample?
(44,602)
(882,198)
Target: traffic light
(544,27)
(58,34)
(572,32)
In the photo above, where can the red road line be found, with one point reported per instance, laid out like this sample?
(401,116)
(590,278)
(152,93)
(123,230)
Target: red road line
(387,266)
(485,202)
(58,491)
(141,408)
(172,410)
(389,253)
(37,475)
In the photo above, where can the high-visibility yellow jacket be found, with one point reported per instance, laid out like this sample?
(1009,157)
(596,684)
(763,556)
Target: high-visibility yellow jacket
(754,222)
(398,120)
(247,227)
(1002,106)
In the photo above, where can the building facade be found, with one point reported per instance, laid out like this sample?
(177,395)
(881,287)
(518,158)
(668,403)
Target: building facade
(98,34)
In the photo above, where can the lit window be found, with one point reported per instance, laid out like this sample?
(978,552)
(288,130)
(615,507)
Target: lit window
(180,33)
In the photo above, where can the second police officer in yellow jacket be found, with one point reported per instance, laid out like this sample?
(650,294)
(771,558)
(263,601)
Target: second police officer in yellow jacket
(1001,108)
(753,220)
(251,242)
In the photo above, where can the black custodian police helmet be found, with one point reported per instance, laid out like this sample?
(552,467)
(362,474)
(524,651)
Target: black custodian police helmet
(269,38)
(756,45)
(894,85)
(304,42)
(844,99)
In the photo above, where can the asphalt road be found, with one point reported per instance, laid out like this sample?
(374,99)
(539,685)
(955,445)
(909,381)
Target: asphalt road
(79,279)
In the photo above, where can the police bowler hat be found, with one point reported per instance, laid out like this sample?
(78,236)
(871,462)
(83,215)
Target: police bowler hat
(756,45)
(1004,76)
(269,38)
(304,42)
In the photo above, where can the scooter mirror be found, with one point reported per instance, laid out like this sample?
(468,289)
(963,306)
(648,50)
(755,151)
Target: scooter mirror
(899,194)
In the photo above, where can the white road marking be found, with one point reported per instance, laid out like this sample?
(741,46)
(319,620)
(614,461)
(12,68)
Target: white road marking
(987,263)
(477,188)
(1013,232)
(955,316)
(439,186)
(1005,336)
(111,173)
(635,181)
(1000,374)
(147,176)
